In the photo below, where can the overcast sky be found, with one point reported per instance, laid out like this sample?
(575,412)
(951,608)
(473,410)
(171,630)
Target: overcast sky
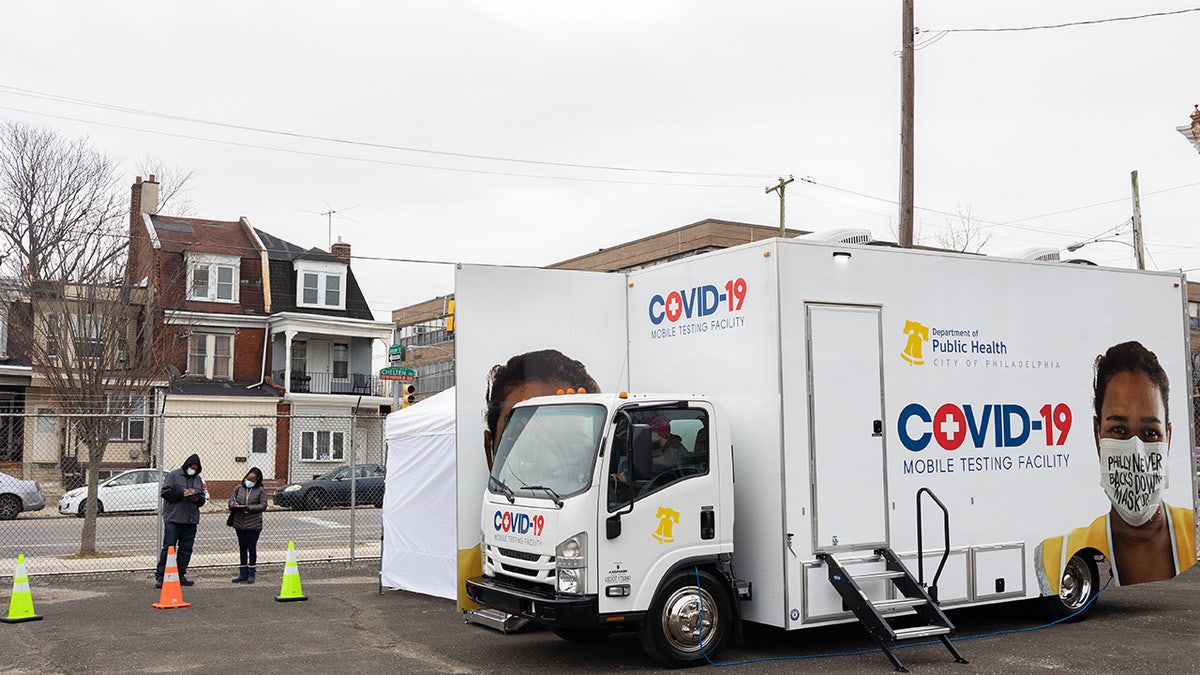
(702,104)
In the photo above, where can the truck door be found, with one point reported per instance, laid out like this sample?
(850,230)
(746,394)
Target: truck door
(674,512)
(845,379)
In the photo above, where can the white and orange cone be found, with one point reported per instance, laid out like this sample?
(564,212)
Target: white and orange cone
(172,594)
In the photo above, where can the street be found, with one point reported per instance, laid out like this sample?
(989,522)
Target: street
(105,624)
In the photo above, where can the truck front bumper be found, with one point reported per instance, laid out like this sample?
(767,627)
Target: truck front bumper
(564,611)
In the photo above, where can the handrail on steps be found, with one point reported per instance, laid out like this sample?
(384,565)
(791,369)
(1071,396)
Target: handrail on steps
(921,542)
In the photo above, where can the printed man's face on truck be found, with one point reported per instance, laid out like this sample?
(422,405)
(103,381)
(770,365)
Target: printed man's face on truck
(515,395)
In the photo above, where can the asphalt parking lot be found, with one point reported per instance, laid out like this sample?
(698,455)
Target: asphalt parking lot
(105,624)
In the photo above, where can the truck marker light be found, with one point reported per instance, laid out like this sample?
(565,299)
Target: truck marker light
(617,591)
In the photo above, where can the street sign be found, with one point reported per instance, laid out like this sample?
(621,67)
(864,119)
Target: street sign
(395,353)
(398,373)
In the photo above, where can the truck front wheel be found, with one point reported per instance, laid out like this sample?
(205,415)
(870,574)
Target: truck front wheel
(686,623)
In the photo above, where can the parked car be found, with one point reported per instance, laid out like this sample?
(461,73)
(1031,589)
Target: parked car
(333,489)
(133,490)
(17,495)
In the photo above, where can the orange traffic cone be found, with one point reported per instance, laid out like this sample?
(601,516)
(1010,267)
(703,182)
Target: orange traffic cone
(20,606)
(172,594)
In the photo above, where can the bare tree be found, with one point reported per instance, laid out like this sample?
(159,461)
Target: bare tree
(92,336)
(98,357)
(60,215)
(966,235)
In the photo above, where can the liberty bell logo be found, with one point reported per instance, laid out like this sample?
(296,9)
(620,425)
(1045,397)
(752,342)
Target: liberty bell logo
(918,335)
(666,524)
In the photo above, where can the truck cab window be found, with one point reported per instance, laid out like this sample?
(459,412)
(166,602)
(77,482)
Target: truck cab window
(679,442)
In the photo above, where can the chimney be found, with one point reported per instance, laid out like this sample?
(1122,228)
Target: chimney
(144,198)
(341,249)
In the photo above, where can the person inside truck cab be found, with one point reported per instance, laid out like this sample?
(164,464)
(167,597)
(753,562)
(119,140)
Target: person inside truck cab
(537,373)
(669,450)
(1143,537)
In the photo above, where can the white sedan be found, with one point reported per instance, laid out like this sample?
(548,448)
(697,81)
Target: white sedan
(134,490)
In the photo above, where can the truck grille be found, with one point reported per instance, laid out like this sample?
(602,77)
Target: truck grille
(523,565)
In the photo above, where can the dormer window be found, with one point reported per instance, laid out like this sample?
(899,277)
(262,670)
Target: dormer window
(320,284)
(213,277)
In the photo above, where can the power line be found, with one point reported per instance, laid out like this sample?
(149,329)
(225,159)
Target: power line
(366,144)
(351,158)
(1090,22)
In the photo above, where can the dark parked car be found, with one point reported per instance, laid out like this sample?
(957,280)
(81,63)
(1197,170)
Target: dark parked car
(333,489)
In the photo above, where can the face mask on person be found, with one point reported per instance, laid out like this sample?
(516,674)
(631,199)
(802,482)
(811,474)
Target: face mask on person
(248,483)
(191,472)
(1134,475)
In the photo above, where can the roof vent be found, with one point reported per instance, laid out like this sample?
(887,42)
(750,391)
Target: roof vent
(1038,253)
(841,235)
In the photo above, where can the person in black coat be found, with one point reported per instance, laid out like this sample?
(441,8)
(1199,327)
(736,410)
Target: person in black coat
(246,506)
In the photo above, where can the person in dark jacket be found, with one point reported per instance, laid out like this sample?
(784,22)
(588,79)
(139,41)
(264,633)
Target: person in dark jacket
(182,495)
(246,506)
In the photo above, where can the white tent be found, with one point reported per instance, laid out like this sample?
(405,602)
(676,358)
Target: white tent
(419,531)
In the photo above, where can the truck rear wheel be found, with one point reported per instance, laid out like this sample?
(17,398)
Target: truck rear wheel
(687,623)
(1076,589)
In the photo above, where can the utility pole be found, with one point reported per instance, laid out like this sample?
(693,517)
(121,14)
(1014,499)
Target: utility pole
(906,126)
(780,188)
(1138,251)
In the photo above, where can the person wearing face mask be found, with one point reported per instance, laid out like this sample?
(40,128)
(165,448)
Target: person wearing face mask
(182,496)
(1143,537)
(246,506)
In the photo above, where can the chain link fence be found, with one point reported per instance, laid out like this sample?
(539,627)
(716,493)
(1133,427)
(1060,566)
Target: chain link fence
(324,476)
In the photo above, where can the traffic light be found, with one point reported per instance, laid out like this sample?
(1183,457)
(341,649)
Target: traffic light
(408,394)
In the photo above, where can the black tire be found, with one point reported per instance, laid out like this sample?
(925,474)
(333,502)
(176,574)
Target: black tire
(1076,590)
(581,634)
(314,500)
(83,508)
(10,507)
(669,633)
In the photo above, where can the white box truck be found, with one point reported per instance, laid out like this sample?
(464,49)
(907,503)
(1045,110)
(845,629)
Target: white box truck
(824,395)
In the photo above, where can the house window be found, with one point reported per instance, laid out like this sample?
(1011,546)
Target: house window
(210,356)
(341,361)
(333,290)
(53,334)
(213,277)
(45,421)
(321,284)
(299,357)
(322,446)
(88,341)
(312,284)
(132,413)
(259,437)
(3,331)
(1194,315)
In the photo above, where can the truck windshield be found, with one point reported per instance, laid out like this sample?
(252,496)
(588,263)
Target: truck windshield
(550,447)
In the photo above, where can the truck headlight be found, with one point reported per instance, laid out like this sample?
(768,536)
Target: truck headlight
(570,565)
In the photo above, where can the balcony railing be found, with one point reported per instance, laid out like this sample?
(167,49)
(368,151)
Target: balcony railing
(355,384)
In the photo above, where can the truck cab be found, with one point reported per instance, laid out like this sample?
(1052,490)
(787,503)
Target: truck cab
(608,513)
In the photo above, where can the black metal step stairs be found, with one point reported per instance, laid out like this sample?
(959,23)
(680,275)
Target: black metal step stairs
(875,615)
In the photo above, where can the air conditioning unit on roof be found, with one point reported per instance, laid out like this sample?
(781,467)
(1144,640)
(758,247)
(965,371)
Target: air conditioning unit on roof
(1039,253)
(841,235)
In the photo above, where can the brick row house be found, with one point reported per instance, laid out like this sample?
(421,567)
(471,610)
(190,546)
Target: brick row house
(257,352)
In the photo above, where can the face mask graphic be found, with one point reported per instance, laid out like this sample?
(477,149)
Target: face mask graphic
(1133,475)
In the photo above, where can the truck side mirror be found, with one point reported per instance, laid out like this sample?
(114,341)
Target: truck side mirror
(640,458)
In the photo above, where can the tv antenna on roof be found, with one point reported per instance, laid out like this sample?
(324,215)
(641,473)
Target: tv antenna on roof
(329,214)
